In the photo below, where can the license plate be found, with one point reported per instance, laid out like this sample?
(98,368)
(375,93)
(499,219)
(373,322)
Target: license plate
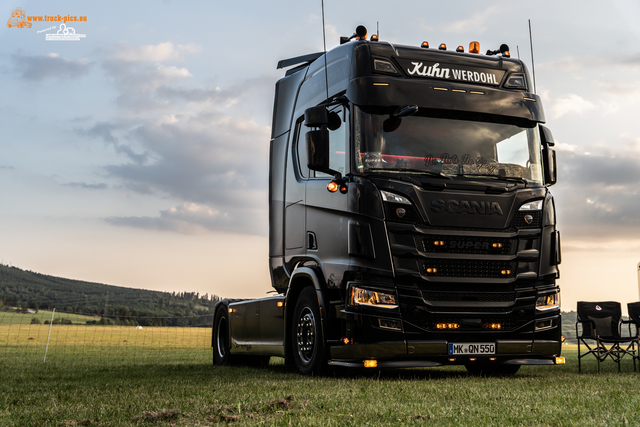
(472,348)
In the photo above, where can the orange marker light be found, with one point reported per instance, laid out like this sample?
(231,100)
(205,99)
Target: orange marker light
(425,45)
(332,186)
(460,49)
(474,47)
(374,37)
(507,54)
(443,46)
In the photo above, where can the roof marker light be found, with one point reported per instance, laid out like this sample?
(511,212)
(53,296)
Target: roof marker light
(374,37)
(506,54)
(425,45)
(460,49)
(474,47)
(443,46)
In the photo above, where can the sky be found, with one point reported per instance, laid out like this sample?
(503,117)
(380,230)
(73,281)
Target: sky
(137,155)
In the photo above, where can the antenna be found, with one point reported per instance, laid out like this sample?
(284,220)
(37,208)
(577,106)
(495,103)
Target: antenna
(324,42)
(518,48)
(533,64)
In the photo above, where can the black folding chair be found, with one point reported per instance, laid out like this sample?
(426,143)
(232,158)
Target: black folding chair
(601,323)
(633,308)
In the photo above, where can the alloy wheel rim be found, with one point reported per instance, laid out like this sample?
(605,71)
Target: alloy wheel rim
(306,334)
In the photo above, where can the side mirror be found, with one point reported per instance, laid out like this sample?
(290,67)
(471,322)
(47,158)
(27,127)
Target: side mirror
(317,140)
(318,150)
(394,120)
(548,156)
(316,117)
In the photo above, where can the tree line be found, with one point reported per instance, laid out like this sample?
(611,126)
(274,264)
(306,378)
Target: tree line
(21,290)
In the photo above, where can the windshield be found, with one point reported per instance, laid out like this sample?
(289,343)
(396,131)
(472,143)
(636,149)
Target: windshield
(450,147)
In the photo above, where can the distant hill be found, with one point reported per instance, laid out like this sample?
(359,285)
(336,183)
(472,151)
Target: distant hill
(27,289)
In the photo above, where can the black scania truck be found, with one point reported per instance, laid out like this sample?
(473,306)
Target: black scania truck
(411,223)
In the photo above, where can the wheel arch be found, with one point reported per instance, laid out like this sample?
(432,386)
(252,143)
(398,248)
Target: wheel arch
(301,278)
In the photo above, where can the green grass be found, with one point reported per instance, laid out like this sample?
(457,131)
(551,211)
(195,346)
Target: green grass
(160,391)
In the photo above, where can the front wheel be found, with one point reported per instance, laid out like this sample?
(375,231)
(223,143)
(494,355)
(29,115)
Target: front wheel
(306,334)
(221,355)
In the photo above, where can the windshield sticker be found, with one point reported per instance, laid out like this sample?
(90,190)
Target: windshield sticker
(436,70)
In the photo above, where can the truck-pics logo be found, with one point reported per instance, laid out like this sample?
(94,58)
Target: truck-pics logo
(65,34)
(18,19)
(466,206)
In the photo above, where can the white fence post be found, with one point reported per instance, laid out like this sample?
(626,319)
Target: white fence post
(49,336)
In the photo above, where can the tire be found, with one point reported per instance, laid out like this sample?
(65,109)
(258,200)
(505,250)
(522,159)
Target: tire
(221,346)
(492,370)
(309,353)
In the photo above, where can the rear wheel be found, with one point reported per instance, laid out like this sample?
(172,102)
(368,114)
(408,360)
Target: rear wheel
(221,355)
(492,370)
(306,334)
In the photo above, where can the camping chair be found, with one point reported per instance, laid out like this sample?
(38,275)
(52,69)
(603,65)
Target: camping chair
(633,308)
(601,322)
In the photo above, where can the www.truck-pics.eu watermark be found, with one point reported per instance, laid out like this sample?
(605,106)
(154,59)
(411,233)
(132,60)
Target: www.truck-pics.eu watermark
(19,19)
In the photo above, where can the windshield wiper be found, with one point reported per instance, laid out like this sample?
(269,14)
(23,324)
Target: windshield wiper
(420,171)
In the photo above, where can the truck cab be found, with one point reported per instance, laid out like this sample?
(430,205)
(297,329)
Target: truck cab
(411,222)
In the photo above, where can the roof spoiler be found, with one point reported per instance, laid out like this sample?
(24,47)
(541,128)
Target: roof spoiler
(299,60)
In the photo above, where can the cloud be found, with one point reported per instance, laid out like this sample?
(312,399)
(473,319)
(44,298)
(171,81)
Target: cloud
(479,22)
(51,65)
(182,141)
(215,159)
(191,218)
(84,185)
(136,82)
(160,52)
(106,132)
(598,194)
(570,104)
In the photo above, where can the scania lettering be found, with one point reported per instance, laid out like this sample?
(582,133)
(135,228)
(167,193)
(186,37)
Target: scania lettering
(464,206)
(410,218)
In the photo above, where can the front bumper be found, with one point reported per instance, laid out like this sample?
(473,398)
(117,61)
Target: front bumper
(435,353)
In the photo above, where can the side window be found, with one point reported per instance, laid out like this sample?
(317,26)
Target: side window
(301,149)
(338,142)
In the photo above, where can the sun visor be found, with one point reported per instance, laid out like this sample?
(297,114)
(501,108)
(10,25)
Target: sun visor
(389,91)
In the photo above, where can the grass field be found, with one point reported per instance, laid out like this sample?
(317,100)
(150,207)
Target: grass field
(182,388)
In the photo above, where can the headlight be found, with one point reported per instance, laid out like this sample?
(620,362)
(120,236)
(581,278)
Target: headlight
(548,302)
(531,206)
(394,198)
(368,297)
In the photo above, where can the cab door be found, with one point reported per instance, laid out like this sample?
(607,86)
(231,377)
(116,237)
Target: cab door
(326,212)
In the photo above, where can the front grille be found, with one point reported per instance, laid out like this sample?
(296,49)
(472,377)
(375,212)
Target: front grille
(506,325)
(470,229)
(466,268)
(471,297)
(467,309)
(467,287)
(469,245)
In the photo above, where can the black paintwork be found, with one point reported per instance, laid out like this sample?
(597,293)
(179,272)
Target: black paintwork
(336,241)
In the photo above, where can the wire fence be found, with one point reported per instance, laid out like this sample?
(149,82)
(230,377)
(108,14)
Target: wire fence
(54,337)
